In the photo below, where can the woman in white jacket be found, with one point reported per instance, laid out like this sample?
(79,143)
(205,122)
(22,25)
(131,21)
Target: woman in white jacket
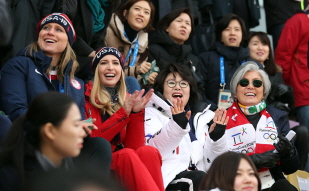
(176,125)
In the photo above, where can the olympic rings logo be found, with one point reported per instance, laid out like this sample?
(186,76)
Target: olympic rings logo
(248,150)
(270,137)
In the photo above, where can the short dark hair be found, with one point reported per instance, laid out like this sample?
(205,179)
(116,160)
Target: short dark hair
(224,23)
(127,7)
(165,21)
(270,66)
(222,171)
(183,72)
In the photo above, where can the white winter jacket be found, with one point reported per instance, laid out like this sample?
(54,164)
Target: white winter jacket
(173,142)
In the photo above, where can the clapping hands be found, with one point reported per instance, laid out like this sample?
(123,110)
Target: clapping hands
(219,118)
(136,102)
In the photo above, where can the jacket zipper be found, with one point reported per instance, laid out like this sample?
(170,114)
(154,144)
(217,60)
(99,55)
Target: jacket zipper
(114,124)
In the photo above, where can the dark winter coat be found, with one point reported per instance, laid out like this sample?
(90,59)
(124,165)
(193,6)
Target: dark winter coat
(210,68)
(24,77)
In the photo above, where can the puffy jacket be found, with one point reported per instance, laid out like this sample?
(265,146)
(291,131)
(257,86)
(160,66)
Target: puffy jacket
(174,143)
(115,38)
(24,77)
(291,54)
(131,128)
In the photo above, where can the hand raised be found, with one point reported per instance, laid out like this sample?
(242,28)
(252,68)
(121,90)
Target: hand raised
(141,101)
(179,107)
(219,118)
(129,102)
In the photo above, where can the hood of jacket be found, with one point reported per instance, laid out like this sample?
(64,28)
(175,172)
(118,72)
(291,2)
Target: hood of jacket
(162,38)
(38,58)
(233,54)
(117,26)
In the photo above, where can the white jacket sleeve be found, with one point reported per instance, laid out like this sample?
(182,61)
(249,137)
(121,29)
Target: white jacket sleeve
(162,132)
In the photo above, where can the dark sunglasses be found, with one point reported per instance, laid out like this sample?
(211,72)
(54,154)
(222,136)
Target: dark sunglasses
(245,83)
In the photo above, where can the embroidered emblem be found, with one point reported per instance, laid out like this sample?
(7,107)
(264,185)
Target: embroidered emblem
(76,84)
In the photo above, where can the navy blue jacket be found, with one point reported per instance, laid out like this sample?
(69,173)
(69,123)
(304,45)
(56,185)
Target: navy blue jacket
(24,77)
(210,68)
(287,165)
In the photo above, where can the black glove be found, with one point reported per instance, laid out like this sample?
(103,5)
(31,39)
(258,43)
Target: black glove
(284,147)
(267,159)
(281,106)
(282,89)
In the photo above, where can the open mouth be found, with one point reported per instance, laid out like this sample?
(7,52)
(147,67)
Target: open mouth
(139,20)
(176,95)
(232,39)
(250,94)
(109,75)
(50,41)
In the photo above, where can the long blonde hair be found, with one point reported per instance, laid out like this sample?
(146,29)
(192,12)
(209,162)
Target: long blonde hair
(67,55)
(101,99)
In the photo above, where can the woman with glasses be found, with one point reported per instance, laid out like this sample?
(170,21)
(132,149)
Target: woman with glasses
(255,128)
(176,125)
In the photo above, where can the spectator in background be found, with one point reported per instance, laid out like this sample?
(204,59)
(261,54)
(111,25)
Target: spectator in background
(248,10)
(218,66)
(6,26)
(49,64)
(127,32)
(25,16)
(232,171)
(120,120)
(281,95)
(291,54)
(90,21)
(169,42)
(278,12)
(41,140)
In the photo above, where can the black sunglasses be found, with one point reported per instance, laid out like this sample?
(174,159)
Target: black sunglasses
(245,83)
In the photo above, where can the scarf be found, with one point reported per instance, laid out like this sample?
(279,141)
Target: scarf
(242,137)
(98,13)
(252,110)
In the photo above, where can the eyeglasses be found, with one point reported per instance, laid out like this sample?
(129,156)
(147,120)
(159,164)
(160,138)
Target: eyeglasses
(245,83)
(172,83)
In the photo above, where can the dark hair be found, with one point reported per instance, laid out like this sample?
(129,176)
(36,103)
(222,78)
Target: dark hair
(127,7)
(224,23)
(270,66)
(183,72)
(75,179)
(24,135)
(222,172)
(165,21)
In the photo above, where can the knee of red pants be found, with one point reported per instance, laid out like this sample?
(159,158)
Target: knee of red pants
(149,153)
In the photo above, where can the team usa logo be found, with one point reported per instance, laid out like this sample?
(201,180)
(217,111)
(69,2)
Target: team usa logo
(76,84)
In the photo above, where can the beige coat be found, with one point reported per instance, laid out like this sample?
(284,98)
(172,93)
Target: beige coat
(115,38)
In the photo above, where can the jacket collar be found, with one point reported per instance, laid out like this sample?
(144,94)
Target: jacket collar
(162,38)
(233,54)
(118,27)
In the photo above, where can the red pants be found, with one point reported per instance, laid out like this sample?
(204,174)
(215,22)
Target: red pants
(139,170)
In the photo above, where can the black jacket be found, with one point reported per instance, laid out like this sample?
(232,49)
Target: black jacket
(165,51)
(210,68)
(279,11)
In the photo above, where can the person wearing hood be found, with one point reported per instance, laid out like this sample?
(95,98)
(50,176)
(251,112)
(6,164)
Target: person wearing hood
(218,66)
(49,64)
(169,43)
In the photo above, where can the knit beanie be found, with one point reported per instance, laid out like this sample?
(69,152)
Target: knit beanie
(61,19)
(106,51)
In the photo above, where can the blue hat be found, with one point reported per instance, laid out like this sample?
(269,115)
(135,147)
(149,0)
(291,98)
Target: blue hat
(61,19)
(106,51)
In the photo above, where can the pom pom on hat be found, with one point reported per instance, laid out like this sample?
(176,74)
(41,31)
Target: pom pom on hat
(61,19)
(106,51)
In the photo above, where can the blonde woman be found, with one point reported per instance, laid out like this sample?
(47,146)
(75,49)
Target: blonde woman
(120,119)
